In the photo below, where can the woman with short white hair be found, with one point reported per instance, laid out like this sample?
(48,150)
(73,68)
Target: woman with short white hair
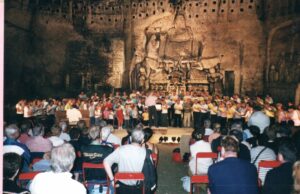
(59,180)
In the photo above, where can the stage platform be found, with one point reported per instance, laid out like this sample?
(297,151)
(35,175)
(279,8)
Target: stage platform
(162,132)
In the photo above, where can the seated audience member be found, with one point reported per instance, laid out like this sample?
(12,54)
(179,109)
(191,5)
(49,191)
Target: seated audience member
(73,115)
(11,166)
(59,179)
(217,142)
(259,119)
(44,164)
(95,152)
(272,143)
(244,152)
(74,135)
(24,130)
(232,175)
(296,175)
(108,137)
(55,135)
(150,146)
(64,135)
(199,146)
(12,145)
(84,138)
(260,153)
(37,143)
(207,126)
(280,180)
(130,158)
(216,133)
(255,133)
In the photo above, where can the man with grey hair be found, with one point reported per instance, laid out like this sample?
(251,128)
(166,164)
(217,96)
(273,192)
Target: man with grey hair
(130,158)
(11,144)
(37,143)
(59,180)
(108,137)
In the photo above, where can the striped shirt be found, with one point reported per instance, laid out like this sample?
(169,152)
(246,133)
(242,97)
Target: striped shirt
(267,154)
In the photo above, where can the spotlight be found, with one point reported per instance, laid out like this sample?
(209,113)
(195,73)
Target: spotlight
(178,139)
(166,139)
(161,139)
(173,139)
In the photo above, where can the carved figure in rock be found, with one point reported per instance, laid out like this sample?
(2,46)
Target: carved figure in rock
(152,58)
(215,79)
(179,41)
(137,59)
(142,79)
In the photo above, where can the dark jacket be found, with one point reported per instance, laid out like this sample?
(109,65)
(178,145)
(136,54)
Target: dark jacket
(279,180)
(233,176)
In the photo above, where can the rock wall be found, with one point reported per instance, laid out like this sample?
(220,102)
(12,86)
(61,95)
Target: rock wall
(61,47)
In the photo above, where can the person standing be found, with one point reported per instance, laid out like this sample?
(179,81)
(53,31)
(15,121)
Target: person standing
(150,102)
(187,112)
(178,112)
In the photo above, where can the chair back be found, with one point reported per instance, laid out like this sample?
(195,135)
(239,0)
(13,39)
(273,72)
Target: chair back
(126,176)
(100,178)
(26,177)
(267,164)
(211,155)
(198,179)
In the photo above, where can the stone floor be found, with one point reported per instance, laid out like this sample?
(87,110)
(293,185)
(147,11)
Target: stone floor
(170,172)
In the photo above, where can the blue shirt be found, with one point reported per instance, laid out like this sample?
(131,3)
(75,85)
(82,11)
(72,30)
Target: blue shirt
(233,176)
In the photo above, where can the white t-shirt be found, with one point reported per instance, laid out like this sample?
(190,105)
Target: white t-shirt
(58,183)
(65,136)
(130,158)
(114,139)
(203,163)
(74,115)
(208,131)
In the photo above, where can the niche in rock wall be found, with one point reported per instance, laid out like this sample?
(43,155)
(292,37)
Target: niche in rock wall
(284,55)
(85,64)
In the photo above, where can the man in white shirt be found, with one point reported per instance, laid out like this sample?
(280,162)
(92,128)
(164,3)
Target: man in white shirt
(130,158)
(74,115)
(178,112)
(150,102)
(108,137)
(199,146)
(59,180)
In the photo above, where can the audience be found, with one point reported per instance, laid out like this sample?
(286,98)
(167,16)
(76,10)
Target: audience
(280,180)
(232,175)
(268,127)
(37,143)
(59,179)
(11,144)
(11,166)
(260,153)
(148,132)
(130,158)
(96,152)
(199,146)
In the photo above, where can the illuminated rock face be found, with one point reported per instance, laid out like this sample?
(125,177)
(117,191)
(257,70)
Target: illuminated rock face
(74,45)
